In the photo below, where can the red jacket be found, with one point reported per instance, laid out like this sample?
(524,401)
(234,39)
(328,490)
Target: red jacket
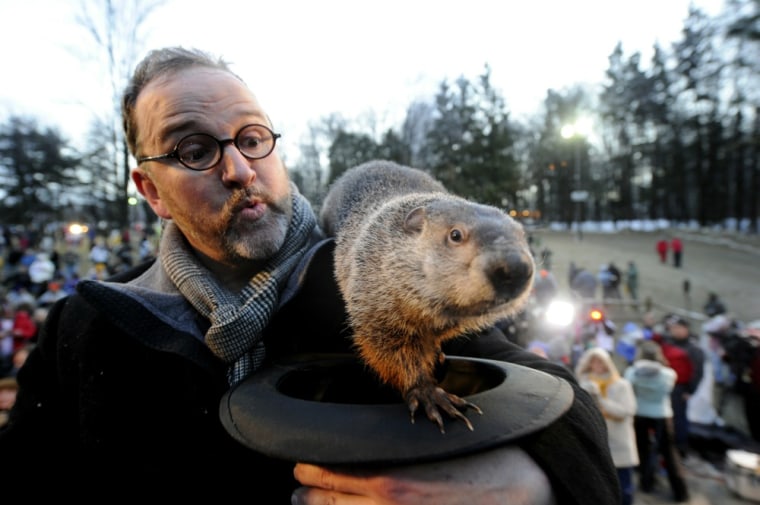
(24,329)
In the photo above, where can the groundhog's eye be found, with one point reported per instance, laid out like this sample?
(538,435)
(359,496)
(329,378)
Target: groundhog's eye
(456,235)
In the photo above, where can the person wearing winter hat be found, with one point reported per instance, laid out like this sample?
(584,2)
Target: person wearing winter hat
(687,358)
(614,396)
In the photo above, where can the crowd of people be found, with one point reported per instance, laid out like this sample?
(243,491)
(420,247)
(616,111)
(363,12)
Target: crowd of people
(37,269)
(664,377)
(672,383)
(612,281)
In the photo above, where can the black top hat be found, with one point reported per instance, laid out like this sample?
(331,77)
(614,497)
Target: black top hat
(331,410)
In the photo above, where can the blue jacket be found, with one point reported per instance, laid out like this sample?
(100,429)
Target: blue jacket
(652,383)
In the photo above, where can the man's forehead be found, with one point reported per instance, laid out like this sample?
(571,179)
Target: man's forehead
(192,99)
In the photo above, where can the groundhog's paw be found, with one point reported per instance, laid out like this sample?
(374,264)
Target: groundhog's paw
(434,400)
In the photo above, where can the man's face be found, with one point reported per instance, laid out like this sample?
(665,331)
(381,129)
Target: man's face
(237,210)
(7,398)
(679,330)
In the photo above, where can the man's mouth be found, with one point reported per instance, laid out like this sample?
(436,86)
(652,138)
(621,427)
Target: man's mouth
(252,209)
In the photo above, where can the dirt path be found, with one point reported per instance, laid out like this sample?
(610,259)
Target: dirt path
(729,266)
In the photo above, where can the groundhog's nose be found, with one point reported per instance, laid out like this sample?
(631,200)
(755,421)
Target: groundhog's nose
(512,275)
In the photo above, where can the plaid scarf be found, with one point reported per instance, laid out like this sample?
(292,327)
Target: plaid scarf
(237,320)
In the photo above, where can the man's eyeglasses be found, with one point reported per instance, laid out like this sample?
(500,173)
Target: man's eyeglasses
(201,151)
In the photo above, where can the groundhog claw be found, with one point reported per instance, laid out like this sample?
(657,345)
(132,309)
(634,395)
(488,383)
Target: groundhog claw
(435,400)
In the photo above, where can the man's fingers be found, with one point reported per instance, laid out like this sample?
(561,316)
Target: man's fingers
(321,477)
(316,496)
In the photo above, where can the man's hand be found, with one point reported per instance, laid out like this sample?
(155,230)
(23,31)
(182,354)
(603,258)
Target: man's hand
(502,475)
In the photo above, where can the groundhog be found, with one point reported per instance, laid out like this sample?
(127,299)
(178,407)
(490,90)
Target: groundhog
(417,266)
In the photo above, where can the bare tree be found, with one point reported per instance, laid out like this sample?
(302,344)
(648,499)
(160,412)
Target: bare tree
(116,28)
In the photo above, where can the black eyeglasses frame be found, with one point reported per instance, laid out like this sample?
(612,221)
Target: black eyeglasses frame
(174,153)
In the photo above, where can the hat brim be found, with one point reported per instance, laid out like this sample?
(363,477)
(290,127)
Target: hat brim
(330,410)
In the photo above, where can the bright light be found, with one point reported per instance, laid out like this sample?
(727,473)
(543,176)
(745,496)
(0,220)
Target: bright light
(78,229)
(580,128)
(560,313)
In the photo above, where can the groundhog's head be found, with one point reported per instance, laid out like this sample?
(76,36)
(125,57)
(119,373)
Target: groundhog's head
(476,260)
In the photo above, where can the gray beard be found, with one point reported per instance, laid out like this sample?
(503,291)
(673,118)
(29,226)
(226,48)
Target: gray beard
(260,243)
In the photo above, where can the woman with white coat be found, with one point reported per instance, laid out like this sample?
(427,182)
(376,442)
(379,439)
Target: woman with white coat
(614,395)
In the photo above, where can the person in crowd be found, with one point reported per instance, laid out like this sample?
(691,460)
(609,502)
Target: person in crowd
(19,358)
(653,381)
(725,350)
(17,278)
(52,294)
(686,290)
(24,328)
(609,279)
(583,283)
(650,326)
(545,287)
(122,256)
(714,306)
(100,257)
(686,357)
(128,374)
(41,271)
(615,397)
(662,249)
(751,388)
(676,245)
(6,337)
(8,391)
(632,283)
(546,258)
(145,251)
(616,278)
(740,352)
(19,295)
(70,260)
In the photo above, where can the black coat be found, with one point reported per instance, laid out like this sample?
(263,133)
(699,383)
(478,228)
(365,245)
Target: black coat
(116,397)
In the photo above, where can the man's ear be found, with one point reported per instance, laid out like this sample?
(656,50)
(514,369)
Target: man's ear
(146,188)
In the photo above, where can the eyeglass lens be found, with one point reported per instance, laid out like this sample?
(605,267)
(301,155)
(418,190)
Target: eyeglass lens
(202,151)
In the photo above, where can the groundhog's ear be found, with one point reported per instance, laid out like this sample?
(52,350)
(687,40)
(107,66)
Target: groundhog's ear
(415,220)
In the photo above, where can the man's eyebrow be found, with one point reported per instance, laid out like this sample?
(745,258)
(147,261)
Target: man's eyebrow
(172,129)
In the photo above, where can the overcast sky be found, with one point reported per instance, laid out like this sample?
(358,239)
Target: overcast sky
(306,59)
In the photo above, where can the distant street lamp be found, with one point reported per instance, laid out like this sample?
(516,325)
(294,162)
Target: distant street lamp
(577,130)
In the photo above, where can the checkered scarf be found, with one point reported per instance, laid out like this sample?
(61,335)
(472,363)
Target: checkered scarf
(237,320)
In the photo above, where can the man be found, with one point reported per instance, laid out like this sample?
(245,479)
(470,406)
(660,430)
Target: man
(128,374)
(582,283)
(685,357)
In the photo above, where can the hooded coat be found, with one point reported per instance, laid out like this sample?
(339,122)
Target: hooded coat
(652,382)
(617,403)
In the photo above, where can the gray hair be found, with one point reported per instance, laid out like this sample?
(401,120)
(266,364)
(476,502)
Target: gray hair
(157,63)
(651,351)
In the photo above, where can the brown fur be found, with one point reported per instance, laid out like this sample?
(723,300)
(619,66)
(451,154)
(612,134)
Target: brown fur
(418,266)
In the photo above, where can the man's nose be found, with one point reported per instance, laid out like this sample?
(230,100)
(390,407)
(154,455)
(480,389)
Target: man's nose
(236,168)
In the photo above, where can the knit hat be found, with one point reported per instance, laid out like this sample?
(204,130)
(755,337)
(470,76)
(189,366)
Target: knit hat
(681,321)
